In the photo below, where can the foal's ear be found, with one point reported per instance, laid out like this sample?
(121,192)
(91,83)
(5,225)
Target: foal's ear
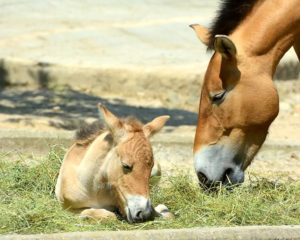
(201,32)
(224,45)
(109,118)
(155,125)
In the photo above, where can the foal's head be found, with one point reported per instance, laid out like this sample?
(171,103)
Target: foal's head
(129,163)
(237,105)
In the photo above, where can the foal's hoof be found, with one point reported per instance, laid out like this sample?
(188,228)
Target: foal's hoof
(164,212)
(97,214)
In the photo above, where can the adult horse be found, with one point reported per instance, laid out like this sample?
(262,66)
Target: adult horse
(238,100)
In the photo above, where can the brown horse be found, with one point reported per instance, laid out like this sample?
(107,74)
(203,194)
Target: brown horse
(108,169)
(238,100)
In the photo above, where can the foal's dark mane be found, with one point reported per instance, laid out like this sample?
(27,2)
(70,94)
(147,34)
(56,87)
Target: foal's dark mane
(229,16)
(88,132)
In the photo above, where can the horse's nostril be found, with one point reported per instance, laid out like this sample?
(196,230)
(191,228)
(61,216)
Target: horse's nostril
(202,178)
(226,176)
(204,182)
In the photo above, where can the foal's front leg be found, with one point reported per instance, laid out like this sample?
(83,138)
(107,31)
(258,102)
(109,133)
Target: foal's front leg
(162,210)
(98,214)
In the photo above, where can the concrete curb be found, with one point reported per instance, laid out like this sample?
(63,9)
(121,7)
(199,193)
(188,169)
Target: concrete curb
(247,232)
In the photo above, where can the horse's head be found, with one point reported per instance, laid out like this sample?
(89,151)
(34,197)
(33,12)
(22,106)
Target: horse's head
(130,163)
(237,105)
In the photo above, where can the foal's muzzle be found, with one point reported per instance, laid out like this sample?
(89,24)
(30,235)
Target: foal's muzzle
(139,209)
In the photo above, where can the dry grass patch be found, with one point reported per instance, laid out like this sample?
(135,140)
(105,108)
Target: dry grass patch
(28,205)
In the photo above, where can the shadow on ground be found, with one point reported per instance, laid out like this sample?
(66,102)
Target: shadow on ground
(71,107)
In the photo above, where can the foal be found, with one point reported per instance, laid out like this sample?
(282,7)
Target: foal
(108,169)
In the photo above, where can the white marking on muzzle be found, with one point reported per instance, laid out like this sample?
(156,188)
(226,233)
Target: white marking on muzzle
(138,208)
(213,160)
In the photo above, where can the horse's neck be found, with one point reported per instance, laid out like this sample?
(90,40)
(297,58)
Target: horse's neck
(297,47)
(269,31)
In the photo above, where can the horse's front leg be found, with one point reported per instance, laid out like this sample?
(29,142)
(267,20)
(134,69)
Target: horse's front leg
(98,214)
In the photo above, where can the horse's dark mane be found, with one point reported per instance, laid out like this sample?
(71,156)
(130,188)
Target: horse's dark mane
(229,16)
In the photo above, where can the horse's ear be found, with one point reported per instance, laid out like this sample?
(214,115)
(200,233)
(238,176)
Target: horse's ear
(109,118)
(155,125)
(224,45)
(201,32)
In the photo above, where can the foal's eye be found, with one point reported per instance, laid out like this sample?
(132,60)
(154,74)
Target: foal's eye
(217,98)
(127,168)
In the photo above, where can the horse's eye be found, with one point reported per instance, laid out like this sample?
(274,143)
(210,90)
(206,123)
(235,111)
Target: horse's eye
(217,98)
(126,167)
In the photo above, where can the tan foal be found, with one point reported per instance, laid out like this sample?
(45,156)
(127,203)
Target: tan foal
(107,170)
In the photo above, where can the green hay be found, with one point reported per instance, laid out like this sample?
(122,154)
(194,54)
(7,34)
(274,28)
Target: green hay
(28,204)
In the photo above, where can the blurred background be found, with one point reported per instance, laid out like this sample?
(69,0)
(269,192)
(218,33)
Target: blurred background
(58,59)
(69,55)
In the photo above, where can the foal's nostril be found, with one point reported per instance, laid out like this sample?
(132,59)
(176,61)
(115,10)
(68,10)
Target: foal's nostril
(139,215)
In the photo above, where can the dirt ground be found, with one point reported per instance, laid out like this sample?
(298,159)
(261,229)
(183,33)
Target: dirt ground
(58,110)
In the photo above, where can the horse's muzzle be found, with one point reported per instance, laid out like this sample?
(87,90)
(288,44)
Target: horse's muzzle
(217,164)
(228,178)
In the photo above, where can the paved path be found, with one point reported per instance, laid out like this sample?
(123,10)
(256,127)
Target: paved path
(106,34)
